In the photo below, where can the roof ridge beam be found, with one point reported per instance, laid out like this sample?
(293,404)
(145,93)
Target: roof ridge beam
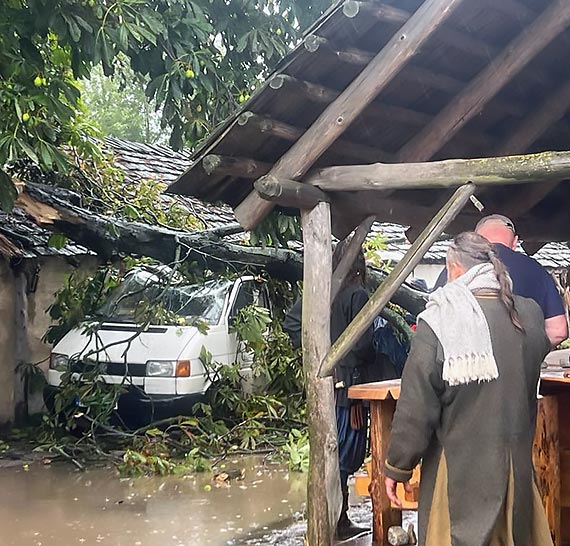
(351,102)
(484,87)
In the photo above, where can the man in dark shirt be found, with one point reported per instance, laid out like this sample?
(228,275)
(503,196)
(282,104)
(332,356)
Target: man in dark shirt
(530,279)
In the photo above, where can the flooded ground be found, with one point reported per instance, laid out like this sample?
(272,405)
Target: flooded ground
(57,506)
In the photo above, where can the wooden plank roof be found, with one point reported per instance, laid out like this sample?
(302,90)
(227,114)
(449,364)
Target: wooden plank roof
(528,112)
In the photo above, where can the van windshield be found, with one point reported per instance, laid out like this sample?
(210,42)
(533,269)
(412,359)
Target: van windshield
(141,288)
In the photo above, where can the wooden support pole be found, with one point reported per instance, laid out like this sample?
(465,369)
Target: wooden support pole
(289,193)
(234,166)
(450,173)
(488,83)
(397,276)
(323,488)
(350,254)
(352,102)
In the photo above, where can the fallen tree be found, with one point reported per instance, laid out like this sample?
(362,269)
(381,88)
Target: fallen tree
(108,237)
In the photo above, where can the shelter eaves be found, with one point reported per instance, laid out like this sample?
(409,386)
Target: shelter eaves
(490,81)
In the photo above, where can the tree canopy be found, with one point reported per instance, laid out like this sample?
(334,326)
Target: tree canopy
(198,59)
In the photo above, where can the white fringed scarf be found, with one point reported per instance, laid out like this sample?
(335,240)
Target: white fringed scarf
(458,321)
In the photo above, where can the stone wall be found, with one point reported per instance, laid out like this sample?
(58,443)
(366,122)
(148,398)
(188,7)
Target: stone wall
(23,308)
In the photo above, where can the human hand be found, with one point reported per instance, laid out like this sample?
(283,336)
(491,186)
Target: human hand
(391,486)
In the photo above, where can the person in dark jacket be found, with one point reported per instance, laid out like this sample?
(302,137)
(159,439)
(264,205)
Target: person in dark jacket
(354,368)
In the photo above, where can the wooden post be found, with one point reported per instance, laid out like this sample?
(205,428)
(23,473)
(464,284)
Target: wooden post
(546,459)
(351,102)
(517,169)
(384,516)
(350,254)
(397,276)
(323,488)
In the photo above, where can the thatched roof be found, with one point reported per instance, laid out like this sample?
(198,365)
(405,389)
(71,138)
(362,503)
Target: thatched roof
(480,41)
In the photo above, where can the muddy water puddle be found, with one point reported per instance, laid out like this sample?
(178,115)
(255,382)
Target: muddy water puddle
(58,506)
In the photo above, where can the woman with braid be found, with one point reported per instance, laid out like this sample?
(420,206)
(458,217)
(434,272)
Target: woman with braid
(467,408)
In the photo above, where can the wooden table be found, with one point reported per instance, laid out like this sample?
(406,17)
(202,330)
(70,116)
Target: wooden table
(551,452)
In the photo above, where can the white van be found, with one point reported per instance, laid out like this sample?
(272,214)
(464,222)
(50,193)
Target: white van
(160,366)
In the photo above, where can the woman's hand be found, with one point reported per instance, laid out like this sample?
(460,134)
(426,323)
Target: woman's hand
(391,490)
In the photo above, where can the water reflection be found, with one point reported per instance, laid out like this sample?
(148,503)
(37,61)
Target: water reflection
(57,506)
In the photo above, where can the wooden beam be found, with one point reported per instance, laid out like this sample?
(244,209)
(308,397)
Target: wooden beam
(413,74)
(388,112)
(234,166)
(352,102)
(552,110)
(381,12)
(488,83)
(458,39)
(290,133)
(397,276)
(350,254)
(289,193)
(323,484)
(517,169)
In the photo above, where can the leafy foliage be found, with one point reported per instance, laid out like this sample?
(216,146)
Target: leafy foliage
(119,107)
(79,297)
(197,59)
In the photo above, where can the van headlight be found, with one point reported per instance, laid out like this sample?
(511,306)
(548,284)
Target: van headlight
(160,368)
(168,368)
(58,362)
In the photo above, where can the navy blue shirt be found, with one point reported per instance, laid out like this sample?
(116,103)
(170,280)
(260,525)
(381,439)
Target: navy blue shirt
(530,280)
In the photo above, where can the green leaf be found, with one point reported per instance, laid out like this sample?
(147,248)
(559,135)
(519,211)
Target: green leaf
(28,150)
(57,240)
(8,192)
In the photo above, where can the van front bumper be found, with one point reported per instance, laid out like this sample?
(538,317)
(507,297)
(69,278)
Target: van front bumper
(136,408)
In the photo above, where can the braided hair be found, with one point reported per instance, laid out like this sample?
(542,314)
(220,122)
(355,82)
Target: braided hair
(471,249)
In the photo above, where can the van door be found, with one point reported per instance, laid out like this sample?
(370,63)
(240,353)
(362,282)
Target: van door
(250,292)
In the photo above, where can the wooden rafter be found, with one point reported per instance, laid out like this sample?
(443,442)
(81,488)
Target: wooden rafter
(235,166)
(388,112)
(552,110)
(416,75)
(488,83)
(290,133)
(352,101)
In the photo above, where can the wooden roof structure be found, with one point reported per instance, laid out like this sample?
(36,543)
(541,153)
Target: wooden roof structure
(488,79)
(385,108)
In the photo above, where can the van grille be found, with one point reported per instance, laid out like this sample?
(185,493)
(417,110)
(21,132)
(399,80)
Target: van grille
(111,368)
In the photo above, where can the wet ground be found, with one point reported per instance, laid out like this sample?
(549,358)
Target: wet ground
(56,505)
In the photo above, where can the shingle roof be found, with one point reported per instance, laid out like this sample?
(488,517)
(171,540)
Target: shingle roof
(21,237)
(553,256)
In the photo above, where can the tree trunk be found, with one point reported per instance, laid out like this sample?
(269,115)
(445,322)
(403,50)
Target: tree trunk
(110,237)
